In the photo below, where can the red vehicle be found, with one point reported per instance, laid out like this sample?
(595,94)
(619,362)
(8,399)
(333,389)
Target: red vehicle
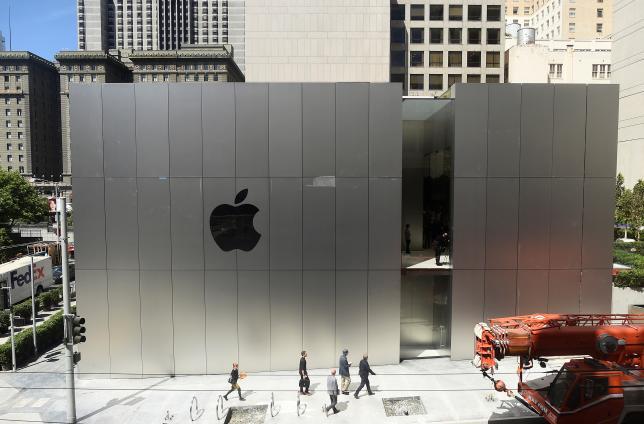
(605,386)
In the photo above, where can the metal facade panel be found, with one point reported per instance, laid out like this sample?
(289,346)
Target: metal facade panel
(218,121)
(470,130)
(563,291)
(155,249)
(222,348)
(351,227)
(534,223)
(286,224)
(318,129)
(91,295)
(500,293)
(258,195)
(384,214)
(532,291)
(385,129)
(119,147)
(89,223)
(596,291)
(318,320)
(504,130)
(152,140)
(351,305)
(601,130)
(352,130)
(187,232)
(285,319)
(468,228)
(86,129)
(157,331)
(383,308)
(254,321)
(216,192)
(125,321)
(566,214)
(186,145)
(502,216)
(285,130)
(121,220)
(569,135)
(318,224)
(467,310)
(536,129)
(599,207)
(251,106)
(189,319)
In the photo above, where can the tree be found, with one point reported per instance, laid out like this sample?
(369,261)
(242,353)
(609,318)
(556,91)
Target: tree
(19,201)
(637,204)
(623,204)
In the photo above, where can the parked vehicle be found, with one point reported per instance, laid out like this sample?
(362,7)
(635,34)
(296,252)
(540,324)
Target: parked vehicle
(57,273)
(16,274)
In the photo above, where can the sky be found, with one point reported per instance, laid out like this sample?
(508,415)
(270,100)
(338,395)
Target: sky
(43,27)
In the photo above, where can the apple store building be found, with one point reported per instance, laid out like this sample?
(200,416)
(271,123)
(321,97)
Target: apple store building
(245,222)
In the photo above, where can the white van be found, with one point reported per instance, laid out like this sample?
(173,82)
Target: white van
(17,275)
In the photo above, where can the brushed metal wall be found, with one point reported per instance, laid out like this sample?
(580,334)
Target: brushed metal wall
(534,170)
(322,162)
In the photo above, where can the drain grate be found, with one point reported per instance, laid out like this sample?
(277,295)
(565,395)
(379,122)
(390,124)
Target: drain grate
(401,406)
(246,414)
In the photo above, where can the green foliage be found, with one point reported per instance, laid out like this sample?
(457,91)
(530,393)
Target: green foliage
(19,201)
(630,254)
(48,335)
(50,299)
(632,278)
(23,309)
(5,322)
(629,205)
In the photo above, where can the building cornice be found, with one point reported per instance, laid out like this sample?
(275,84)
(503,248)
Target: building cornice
(25,55)
(79,55)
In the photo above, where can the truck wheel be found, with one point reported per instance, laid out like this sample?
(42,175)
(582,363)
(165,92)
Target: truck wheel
(38,290)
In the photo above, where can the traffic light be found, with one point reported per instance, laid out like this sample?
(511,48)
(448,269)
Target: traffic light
(78,330)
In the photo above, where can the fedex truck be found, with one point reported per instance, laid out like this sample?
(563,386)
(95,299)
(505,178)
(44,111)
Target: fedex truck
(16,275)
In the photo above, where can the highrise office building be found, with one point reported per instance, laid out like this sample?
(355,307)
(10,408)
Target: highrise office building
(562,19)
(439,43)
(2,47)
(160,24)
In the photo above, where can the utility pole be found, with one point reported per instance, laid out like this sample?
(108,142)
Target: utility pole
(61,215)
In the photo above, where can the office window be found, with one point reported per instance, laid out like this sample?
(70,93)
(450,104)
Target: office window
(144,78)
(417,35)
(436,12)
(454,59)
(21,146)
(515,10)
(435,59)
(397,58)
(21,158)
(397,78)
(526,23)
(196,77)
(20,124)
(436,35)
(398,35)
(416,58)
(473,59)
(7,124)
(21,169)
(492,78)
(155,78)
(7,100)
(417,12)
(473,78)
(205,77)
(493,36)
(19,112)
(555,70)
(17,78)
(601,71)
(416,82)
(455,35)
(9,158)
(492,60)
(397,12)
(435,82)
(600,13)
(9,168)
(474,12)
(455,12)
(571,27)
(453,79)
(600,27)
(21,136)
(494,13)
(81,78)
(166,77)
(572,12)
(526,10)
(8,138)
(70,78)
(607,71)
(186,77)
(474,35)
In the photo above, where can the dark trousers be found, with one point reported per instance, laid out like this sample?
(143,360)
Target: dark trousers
(407,245)
(439,250)
(304,384)
(334,401)
(234,387)
(364,381)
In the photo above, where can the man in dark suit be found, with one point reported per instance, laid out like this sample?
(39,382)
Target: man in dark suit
(305,382)
(364,372)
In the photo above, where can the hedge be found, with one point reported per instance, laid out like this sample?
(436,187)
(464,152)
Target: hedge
(5,322)
(632,278)
(49,334)
(632,255)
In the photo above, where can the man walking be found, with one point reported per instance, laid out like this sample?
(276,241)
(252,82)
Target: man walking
(332,388)
(234,377)
(364,372)
(305,382)
(344,372)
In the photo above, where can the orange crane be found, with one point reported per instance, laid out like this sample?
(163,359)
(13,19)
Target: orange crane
(605,386)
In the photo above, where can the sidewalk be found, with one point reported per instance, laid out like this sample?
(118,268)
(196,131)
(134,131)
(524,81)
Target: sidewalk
(451,391)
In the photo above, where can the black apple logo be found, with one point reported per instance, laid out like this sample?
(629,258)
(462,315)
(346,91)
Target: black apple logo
(232,226)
